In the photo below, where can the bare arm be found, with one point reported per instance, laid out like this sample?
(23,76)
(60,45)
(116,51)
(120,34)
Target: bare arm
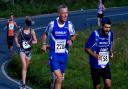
(16,25)
(34,41)
(90,52)
(73,38)
(44,45)
(103,7)
(44,38)
(72,34)
(16,38)
(111,53)
(6,26)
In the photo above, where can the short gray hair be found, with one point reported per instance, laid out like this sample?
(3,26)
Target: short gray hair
(62,6)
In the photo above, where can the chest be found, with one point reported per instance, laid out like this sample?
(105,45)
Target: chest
(26,35)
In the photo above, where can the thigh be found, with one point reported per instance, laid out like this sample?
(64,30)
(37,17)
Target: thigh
(10,40)
(54,63)
(95,74)
(106,73)
(28,55)
(23,58)
(58,74)
(63,63)
(100,15)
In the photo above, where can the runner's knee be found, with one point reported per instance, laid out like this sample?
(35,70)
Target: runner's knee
(24,66)
(97,86)
(59,78)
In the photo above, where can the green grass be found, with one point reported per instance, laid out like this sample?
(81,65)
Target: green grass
(78,71)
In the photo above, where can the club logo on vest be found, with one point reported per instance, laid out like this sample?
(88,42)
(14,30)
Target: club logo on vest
(60,33)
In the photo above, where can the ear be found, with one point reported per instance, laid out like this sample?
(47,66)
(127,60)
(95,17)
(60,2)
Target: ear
(58,14)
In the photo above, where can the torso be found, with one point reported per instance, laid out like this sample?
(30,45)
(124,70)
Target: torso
(26,39)
(59,37)
(11,26)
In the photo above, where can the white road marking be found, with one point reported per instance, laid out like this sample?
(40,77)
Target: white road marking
(6,75)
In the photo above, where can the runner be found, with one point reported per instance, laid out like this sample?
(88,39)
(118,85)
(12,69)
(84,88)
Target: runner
(62,35)
(99,48)
(27,38)
(11,24)
(101,9)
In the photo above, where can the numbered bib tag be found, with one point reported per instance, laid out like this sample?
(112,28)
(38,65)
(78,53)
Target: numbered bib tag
(104,60)
(26,45)
(11,26)
(60,46)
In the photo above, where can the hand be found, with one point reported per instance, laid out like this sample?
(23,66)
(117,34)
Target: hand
(111,56)
(18,45)
(69,42)
(99,57)
(44,47)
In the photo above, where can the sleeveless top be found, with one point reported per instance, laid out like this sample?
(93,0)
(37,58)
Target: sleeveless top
(26,40)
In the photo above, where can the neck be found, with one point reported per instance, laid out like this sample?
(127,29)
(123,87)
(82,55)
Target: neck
(27,27)
(102,32)
(61,21)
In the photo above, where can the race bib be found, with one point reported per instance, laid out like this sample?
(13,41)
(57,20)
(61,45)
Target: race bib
(60,46)
(104,59)
(26,44)
(11,26)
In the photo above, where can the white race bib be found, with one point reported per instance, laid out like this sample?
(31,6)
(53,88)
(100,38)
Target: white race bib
(104,60)
(60,46)
(11,26)
(26,44)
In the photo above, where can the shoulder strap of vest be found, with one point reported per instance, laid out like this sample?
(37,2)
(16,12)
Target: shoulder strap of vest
(96,37)
(109,37)
(30,34)
(22,30)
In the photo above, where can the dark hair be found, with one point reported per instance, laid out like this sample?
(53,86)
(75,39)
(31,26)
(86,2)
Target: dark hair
(105,20)
(28,21)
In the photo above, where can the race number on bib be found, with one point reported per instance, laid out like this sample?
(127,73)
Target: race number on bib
(60,46)
(11,26)
(26,45)
(104,59)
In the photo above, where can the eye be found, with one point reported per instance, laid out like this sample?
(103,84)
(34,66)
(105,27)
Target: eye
(107,27)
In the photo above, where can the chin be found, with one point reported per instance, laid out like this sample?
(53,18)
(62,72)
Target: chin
(106,33)
(64,20)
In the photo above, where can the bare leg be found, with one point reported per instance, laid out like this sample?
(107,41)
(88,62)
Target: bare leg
(97,86)
(10,50)
(99,22)
(58,79)
(107,84)
(25,64)
(52,86)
